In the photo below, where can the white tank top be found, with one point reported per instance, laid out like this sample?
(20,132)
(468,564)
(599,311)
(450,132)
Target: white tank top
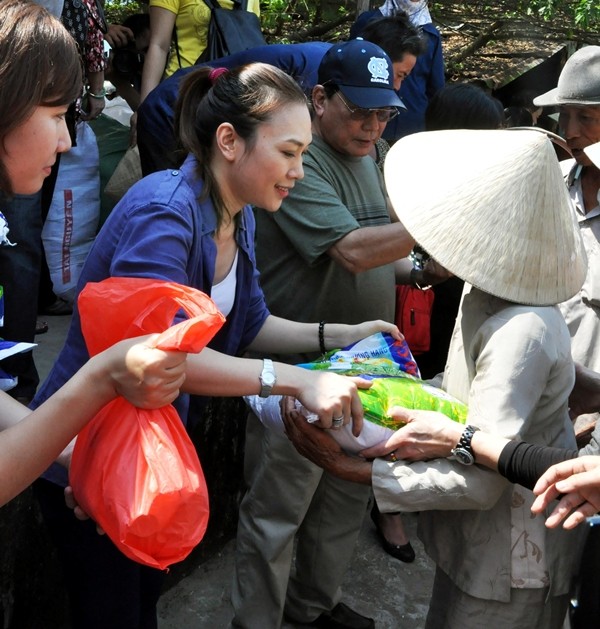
(223,293)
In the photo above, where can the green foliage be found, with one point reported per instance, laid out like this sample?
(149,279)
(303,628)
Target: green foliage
(582,13)
(279,17)
(117,10)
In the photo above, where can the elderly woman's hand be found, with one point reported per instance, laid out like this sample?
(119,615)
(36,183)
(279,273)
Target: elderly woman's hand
(318,446)
(426,435)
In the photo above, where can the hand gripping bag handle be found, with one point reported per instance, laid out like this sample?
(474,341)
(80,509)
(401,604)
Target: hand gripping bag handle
(125,307)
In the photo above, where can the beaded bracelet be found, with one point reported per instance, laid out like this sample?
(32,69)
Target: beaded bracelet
(322,337)
(101,95)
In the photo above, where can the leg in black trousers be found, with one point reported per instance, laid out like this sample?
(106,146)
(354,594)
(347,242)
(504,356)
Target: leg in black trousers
(106,589)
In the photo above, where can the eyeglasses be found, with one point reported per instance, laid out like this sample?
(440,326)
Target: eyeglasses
(358,113)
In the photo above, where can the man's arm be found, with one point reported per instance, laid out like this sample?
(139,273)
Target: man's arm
(585,396)
(369,247)
(317,220)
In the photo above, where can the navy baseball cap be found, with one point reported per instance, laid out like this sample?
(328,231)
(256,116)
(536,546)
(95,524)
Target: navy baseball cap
(363,72)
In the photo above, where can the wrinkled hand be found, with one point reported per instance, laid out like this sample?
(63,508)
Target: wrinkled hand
(585,396)
(433,273)
(579,480)
(79,513)
(426,435)
(330,396)
(118,35)
(145,376)
(311,442)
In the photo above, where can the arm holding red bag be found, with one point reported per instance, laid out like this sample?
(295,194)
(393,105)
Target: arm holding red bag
(31,440)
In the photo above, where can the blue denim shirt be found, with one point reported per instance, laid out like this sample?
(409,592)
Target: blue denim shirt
(161,230)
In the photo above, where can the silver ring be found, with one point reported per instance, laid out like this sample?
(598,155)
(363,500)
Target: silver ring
(337,422)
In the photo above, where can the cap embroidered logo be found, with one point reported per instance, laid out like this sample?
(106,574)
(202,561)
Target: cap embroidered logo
(378,67)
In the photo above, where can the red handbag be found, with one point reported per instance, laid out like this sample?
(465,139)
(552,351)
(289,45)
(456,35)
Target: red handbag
(413,316)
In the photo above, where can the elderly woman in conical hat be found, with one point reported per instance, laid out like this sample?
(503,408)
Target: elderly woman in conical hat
(492,208)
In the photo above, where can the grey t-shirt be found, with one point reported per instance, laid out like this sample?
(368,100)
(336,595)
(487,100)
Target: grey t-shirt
(301,281)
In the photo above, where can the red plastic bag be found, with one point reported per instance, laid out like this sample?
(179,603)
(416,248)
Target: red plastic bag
(413,316)
(136,471)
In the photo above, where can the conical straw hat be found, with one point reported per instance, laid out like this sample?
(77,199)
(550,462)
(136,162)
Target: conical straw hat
(492,208)
(593,152)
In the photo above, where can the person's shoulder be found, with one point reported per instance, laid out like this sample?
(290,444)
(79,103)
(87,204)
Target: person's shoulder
(321,158)
(306,49)
(535,323)
(431,29)
(502,311)
(170,188)
(170,5)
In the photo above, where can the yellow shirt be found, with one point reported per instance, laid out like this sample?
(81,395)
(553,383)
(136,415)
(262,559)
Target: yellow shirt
(192,20)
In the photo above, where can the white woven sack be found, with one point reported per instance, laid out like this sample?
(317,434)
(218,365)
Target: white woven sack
(72,221)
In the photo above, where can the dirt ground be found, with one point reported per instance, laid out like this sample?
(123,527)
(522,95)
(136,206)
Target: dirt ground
(395,594)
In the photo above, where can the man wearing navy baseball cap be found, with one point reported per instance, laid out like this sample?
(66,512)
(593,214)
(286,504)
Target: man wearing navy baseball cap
(364,74)
(327,255)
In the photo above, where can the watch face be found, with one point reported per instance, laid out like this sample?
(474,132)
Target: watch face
(463,456)
(268,379)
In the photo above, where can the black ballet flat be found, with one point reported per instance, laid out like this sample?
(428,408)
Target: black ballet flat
(405,552)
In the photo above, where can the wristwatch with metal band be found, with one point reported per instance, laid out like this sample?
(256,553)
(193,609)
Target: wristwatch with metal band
(267,378)
(463,452)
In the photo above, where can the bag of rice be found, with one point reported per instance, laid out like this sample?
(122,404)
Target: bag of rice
(395,375)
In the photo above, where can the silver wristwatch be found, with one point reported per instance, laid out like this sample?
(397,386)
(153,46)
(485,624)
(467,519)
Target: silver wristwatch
(267,378)
(463,452)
